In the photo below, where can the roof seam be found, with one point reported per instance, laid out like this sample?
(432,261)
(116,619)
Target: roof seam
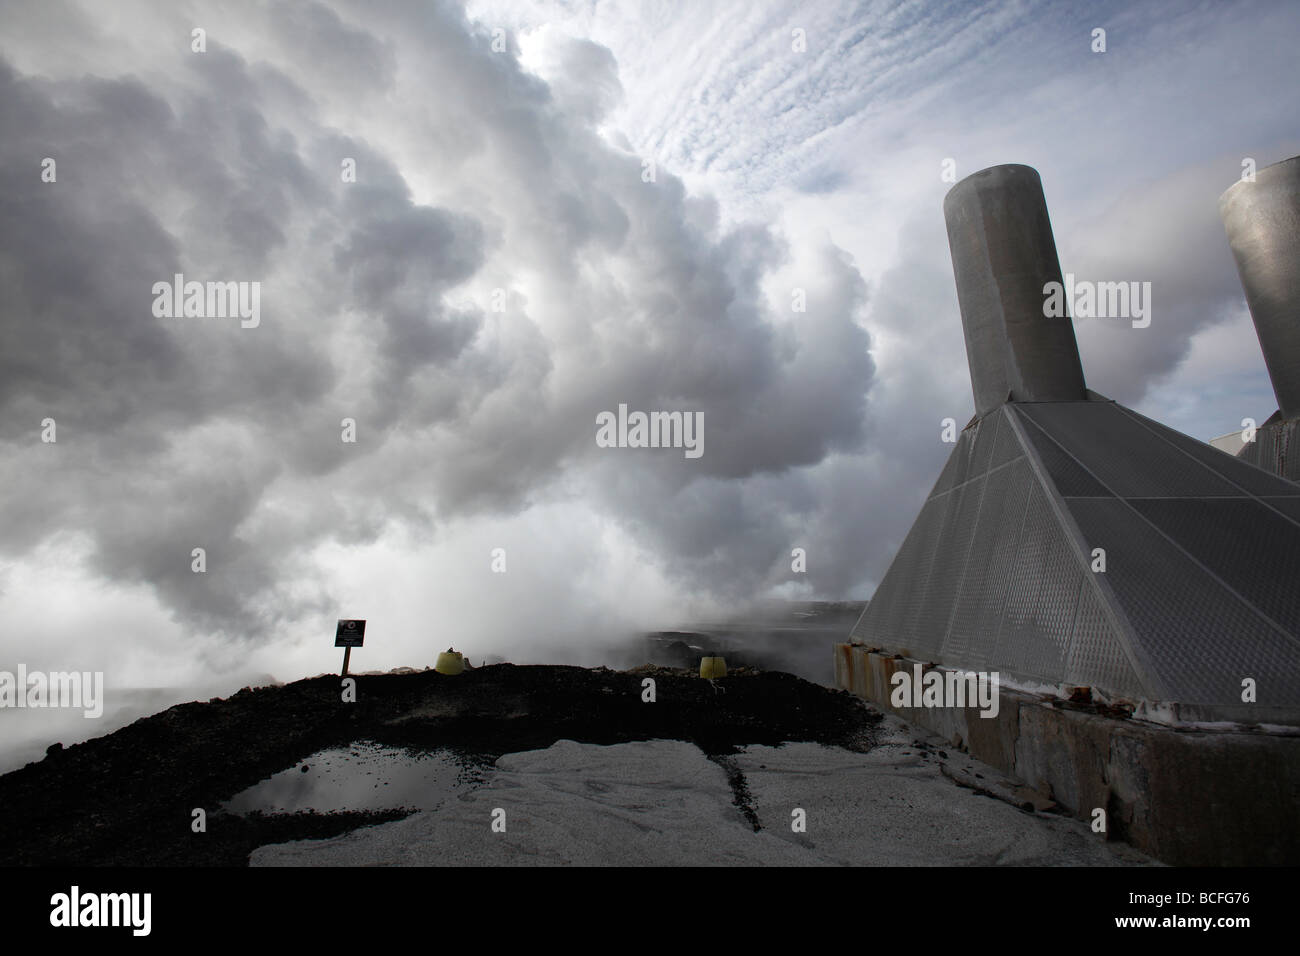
(1258,612)
(1143,667)
(1218,474)
(1005,464)
(1010,583)
(979,510)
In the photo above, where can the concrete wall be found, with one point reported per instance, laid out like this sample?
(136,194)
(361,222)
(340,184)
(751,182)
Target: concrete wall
(1187,797)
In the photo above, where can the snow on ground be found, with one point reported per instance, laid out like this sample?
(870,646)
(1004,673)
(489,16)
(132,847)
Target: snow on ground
(664,802)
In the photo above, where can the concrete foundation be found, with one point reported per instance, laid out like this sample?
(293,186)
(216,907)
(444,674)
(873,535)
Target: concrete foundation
(1192,795)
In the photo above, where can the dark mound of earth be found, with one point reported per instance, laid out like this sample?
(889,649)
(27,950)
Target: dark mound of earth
(127,798)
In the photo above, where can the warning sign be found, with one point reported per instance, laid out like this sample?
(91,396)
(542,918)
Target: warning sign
(350,634)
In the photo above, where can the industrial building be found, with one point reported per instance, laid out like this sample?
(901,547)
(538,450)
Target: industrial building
(1134,588)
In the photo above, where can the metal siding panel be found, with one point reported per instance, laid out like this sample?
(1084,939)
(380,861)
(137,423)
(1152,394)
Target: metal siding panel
(951,562)
(1244,543)
(873,626)
(1097,657)
(1069,477)
(1039,612)
(884,615)
(916,639)
(886,618)
(1122,454)
(956,467)
(1002,494)
(911,608)
(1253,480)
(1013,483)
(1198,637)
(985,439)
(913,575)
(1006,445)
(1058,598)
(1288,506)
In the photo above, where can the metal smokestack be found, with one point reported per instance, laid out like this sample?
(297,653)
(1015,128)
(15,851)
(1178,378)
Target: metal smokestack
(1003,254)
(1263,224)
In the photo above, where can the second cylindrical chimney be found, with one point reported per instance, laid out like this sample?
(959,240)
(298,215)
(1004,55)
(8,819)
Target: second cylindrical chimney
(1263,223)
(1003,254)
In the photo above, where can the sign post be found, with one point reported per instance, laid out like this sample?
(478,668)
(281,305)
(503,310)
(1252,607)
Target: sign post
(349,634)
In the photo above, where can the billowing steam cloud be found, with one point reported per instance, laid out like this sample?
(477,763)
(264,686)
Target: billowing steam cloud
(497,275)
(501,272)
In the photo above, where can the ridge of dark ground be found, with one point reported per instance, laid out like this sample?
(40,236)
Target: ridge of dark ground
(127,798)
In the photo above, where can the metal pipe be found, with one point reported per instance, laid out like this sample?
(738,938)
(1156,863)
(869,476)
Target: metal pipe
(1262,219)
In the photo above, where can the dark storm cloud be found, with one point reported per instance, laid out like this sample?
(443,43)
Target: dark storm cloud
(339,58)
(398,259)
(75,253)
(188,432)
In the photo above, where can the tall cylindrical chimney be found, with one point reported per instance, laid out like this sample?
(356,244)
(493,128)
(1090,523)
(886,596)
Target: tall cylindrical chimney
(1003,254)
(1263,223)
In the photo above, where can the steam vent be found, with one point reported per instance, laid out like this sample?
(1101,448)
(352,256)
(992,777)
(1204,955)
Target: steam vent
(1201,580)
(1262,219)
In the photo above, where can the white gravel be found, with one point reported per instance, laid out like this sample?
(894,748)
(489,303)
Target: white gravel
(664,802)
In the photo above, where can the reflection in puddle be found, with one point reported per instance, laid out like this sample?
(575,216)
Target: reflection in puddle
(362,776)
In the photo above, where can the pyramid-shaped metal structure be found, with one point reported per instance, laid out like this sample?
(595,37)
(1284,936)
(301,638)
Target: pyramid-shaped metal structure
(1003,569)
(1201,585)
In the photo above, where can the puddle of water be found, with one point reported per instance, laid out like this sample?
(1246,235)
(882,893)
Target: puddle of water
(361,776)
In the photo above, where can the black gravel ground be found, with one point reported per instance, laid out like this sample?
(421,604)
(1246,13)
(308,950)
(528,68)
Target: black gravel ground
(127,798)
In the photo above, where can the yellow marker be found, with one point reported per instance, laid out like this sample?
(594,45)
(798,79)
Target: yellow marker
(450,662)
(712,667)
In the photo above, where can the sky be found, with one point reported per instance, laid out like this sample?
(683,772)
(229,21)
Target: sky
(504,269)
